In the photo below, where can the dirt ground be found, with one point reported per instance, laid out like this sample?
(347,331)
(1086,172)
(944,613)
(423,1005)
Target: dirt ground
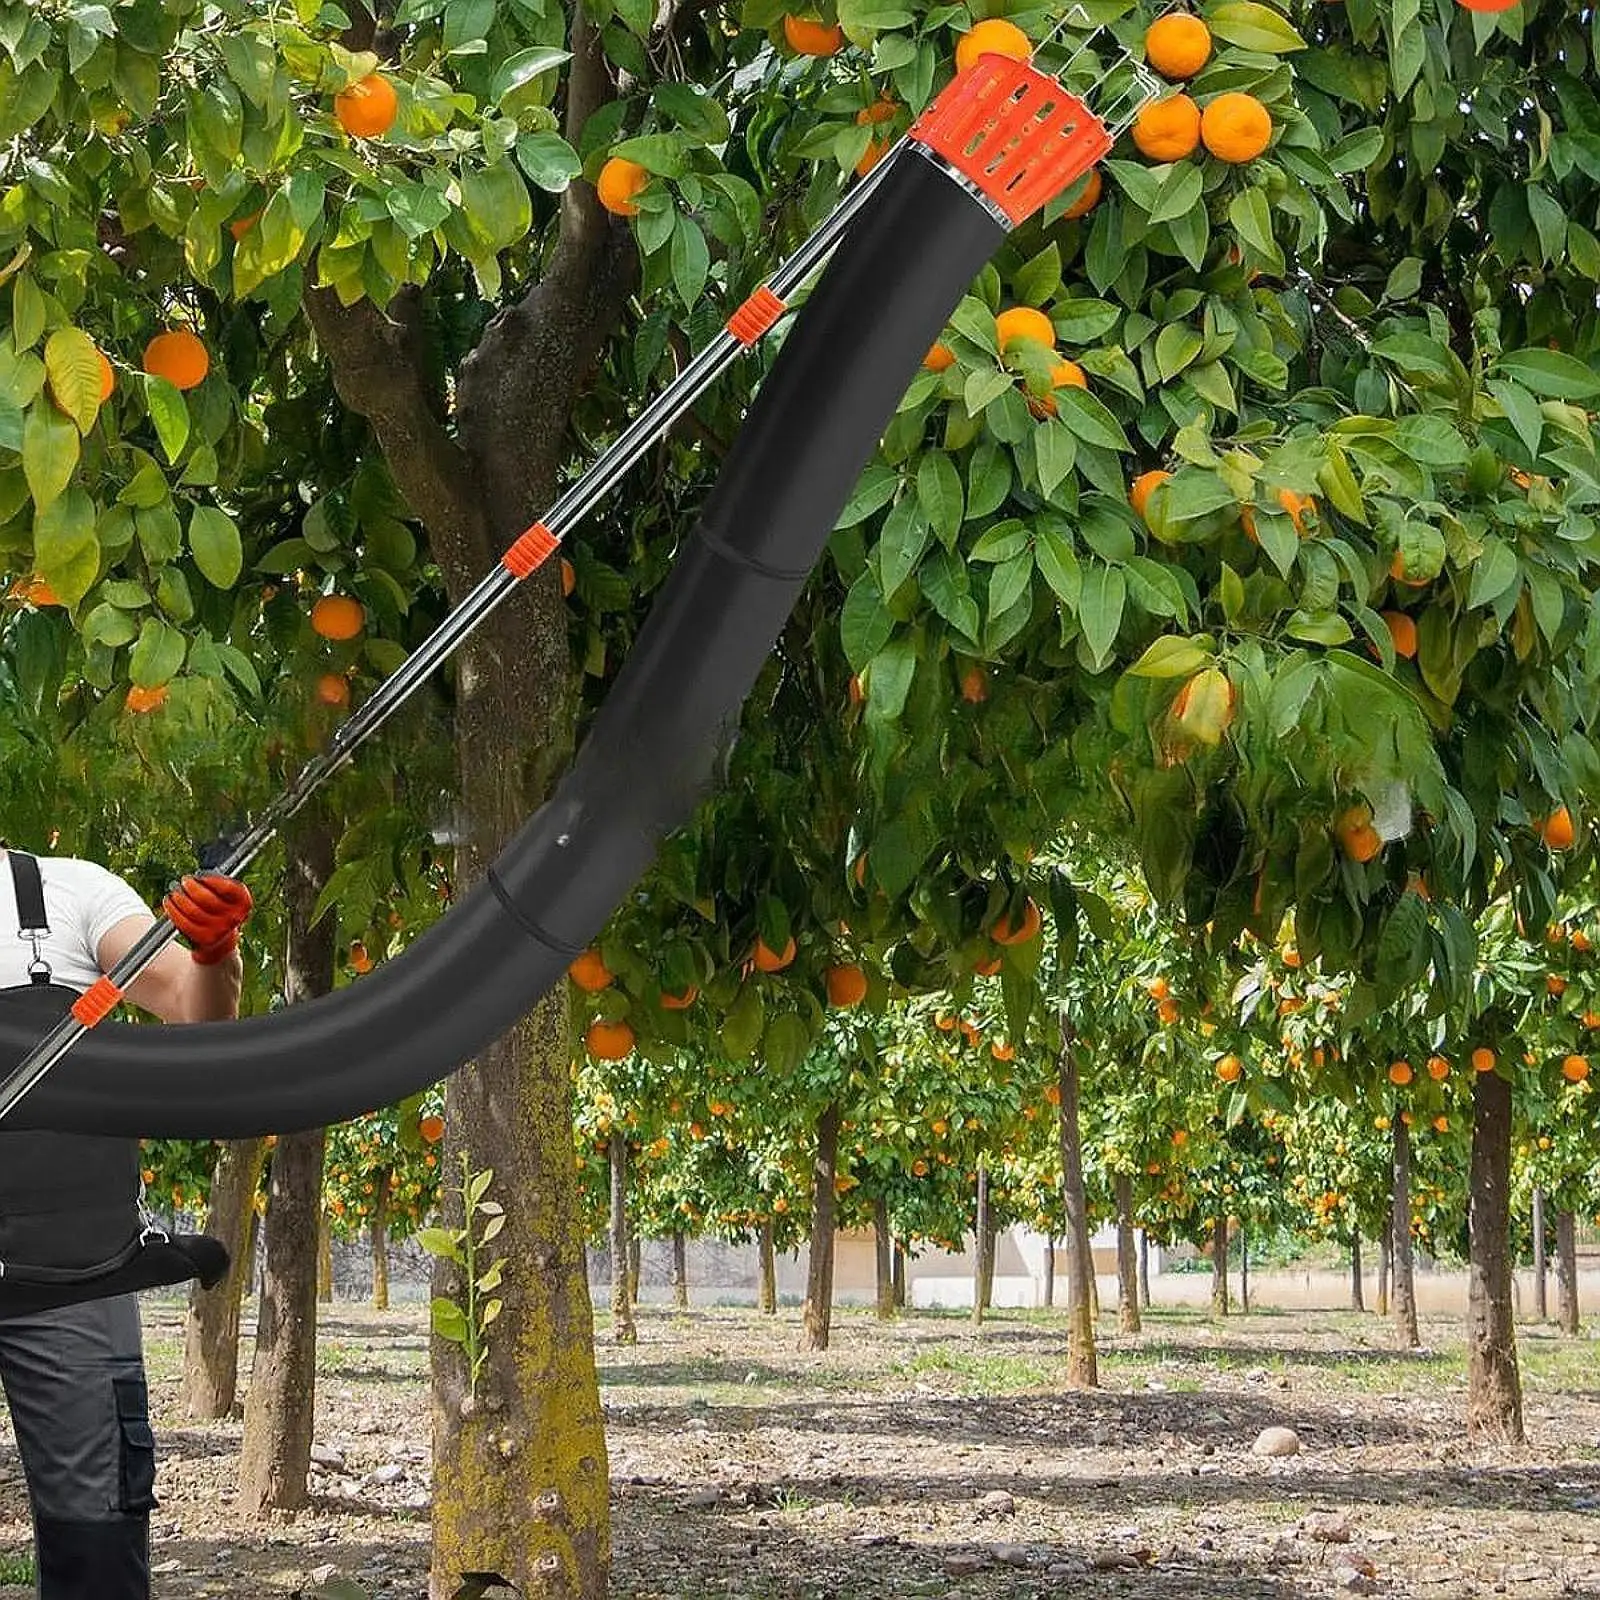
(929,1459)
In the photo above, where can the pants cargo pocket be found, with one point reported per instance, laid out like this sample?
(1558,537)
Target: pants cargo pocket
(136,1446)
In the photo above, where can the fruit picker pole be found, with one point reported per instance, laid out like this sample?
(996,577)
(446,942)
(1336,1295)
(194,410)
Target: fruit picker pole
(962,134)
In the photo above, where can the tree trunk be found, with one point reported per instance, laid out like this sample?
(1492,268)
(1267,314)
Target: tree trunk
(275,1458)
(983,1242)
(1385,1265)
(1144,1270)
(380,1243)
(324,1261)
(1219,1266)
(1082,1367)
(211,1329)
(1050,1272)
(623,1330)
(1357,1298)
(635,1266)
(1244,1269)
(1127,1259)
(817,1318)
(883,1254)
(1541,1272)
(769,1270)
(1403,1261)
(680,1272)
(1494,1389)
(1567,1272)
(899,1275)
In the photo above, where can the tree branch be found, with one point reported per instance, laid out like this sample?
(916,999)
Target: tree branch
(378,373)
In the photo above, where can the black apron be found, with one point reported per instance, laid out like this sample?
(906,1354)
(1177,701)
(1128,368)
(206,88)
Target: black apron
(72,1222)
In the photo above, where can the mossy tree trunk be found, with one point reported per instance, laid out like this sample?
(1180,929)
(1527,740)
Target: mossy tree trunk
(211,1328)
(1127,1259)
(1494,1387)
(623,1330)
(275,1458)
(1402,1257)
(817,1318)
(1082,1365)
(1567,1315)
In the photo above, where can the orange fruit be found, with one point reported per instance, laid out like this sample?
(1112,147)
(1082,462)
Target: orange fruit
(679,1002)
(1575,1069)
(1177,45)
(1360,840)
(987,969)
(142,700)
(878,111)
(1236,127)
(768,961)
(1590,1019)
(590,973)
(1003,933)
(1483,1059)
(1143,487)
(609,1041)
(992,37)
(178,356)
(1403,631)
(108,376)
(1297,505)
(431,1128)
(569,577)
(337,617)
(1438,1068)
(1168,1012)
(359,958)
(1089,199)
(1580,941)
(1291,956)
(1555,985)
(809,37)
(1023,322)
(36,591)
(1398,571)
(1158,988)
(944,1023)
(240,226)
(847,986)
(619,181)
(1230,1069)
(1180,1137)
(333,689)
(1168,130)
(872,155)
(974,686)
(1557,831)
(939,357)
(1002,1051)
(1441,1124)
(1400,1073)
(1068,374)
(366,110)
(1203,708)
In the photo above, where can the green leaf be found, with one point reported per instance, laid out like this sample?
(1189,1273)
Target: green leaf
(1035,282)
(691,260)
(449,1321)
(72,365)
(1180,193)
(1549,221)
(1058,562)
(743,1025)
(65,550)
(1253,27)
(158,655)
(865,625)
(1089,419)
(1493,572)
(1251,216)
(1171,656)
(905,536)
(523,67)
(1100,606)
(496,208)
(1522,412)
(439,1242)
(1404,281)
(1356,151)
(50,446)
(549,161)
(940,495)
(661,153)
(27,312)
(1552,373)
(1177,346)
(168,413)
(1055,452)
(214,542)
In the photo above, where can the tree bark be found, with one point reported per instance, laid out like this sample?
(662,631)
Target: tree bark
(899,1275)
(380,1243)
(1541,1271)
(1385,1265)
(1144,1270)
(817,1317)
(623,1330)
(883,1254)
(251,1254)
(1567,1272)
(1050,1272)
(275,1458)
(1127,1260)
(1219,1266)
(324,1261)
(211,1329)
(1494,1388)
(983,1246)
(1244,1269)
(1402,1259)
(1357,1297)
(1082,1365)
(680,1272)
(769,1270)
(635,1265)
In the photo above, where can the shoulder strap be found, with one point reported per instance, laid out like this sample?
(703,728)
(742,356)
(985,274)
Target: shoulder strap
(32,920)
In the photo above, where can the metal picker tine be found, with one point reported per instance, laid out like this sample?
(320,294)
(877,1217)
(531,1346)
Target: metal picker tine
(1142,86)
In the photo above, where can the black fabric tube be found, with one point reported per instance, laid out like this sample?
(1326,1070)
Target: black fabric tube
(880,304)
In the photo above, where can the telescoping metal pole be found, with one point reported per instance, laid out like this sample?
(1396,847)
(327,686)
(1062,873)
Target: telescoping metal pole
(978,131)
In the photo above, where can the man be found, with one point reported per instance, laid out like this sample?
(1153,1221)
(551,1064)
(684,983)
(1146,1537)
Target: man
(74,1377)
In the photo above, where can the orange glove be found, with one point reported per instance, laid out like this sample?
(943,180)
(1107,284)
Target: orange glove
(209,911)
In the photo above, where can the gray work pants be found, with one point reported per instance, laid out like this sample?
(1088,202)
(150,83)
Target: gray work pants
(74,1381)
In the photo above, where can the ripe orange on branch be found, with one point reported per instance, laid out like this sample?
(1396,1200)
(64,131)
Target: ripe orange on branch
(1403,633)
(1483,1059)
(1296,505)
(847,986)
(992,37)
(1230,1069)
(1400,1073)
(1023,322)
(939,357)
(178,356)
(1438,1068)
(809,36)
(590,972)
(432,1129)
(619,181)
(1236,127)
(1557,830)
(367,109)
(337,617)
(333,689)
(1575,1069)
(1003,933)
(1177,45)
(1359,839)
(773,961)
(609,1041)
(1093,187)
(1168,130)
(679,1002)
(141,700)
(1143,487)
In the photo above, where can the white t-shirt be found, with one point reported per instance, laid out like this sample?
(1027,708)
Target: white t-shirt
(83,902)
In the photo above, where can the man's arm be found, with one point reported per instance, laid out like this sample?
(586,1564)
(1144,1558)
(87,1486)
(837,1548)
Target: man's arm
(174,987)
